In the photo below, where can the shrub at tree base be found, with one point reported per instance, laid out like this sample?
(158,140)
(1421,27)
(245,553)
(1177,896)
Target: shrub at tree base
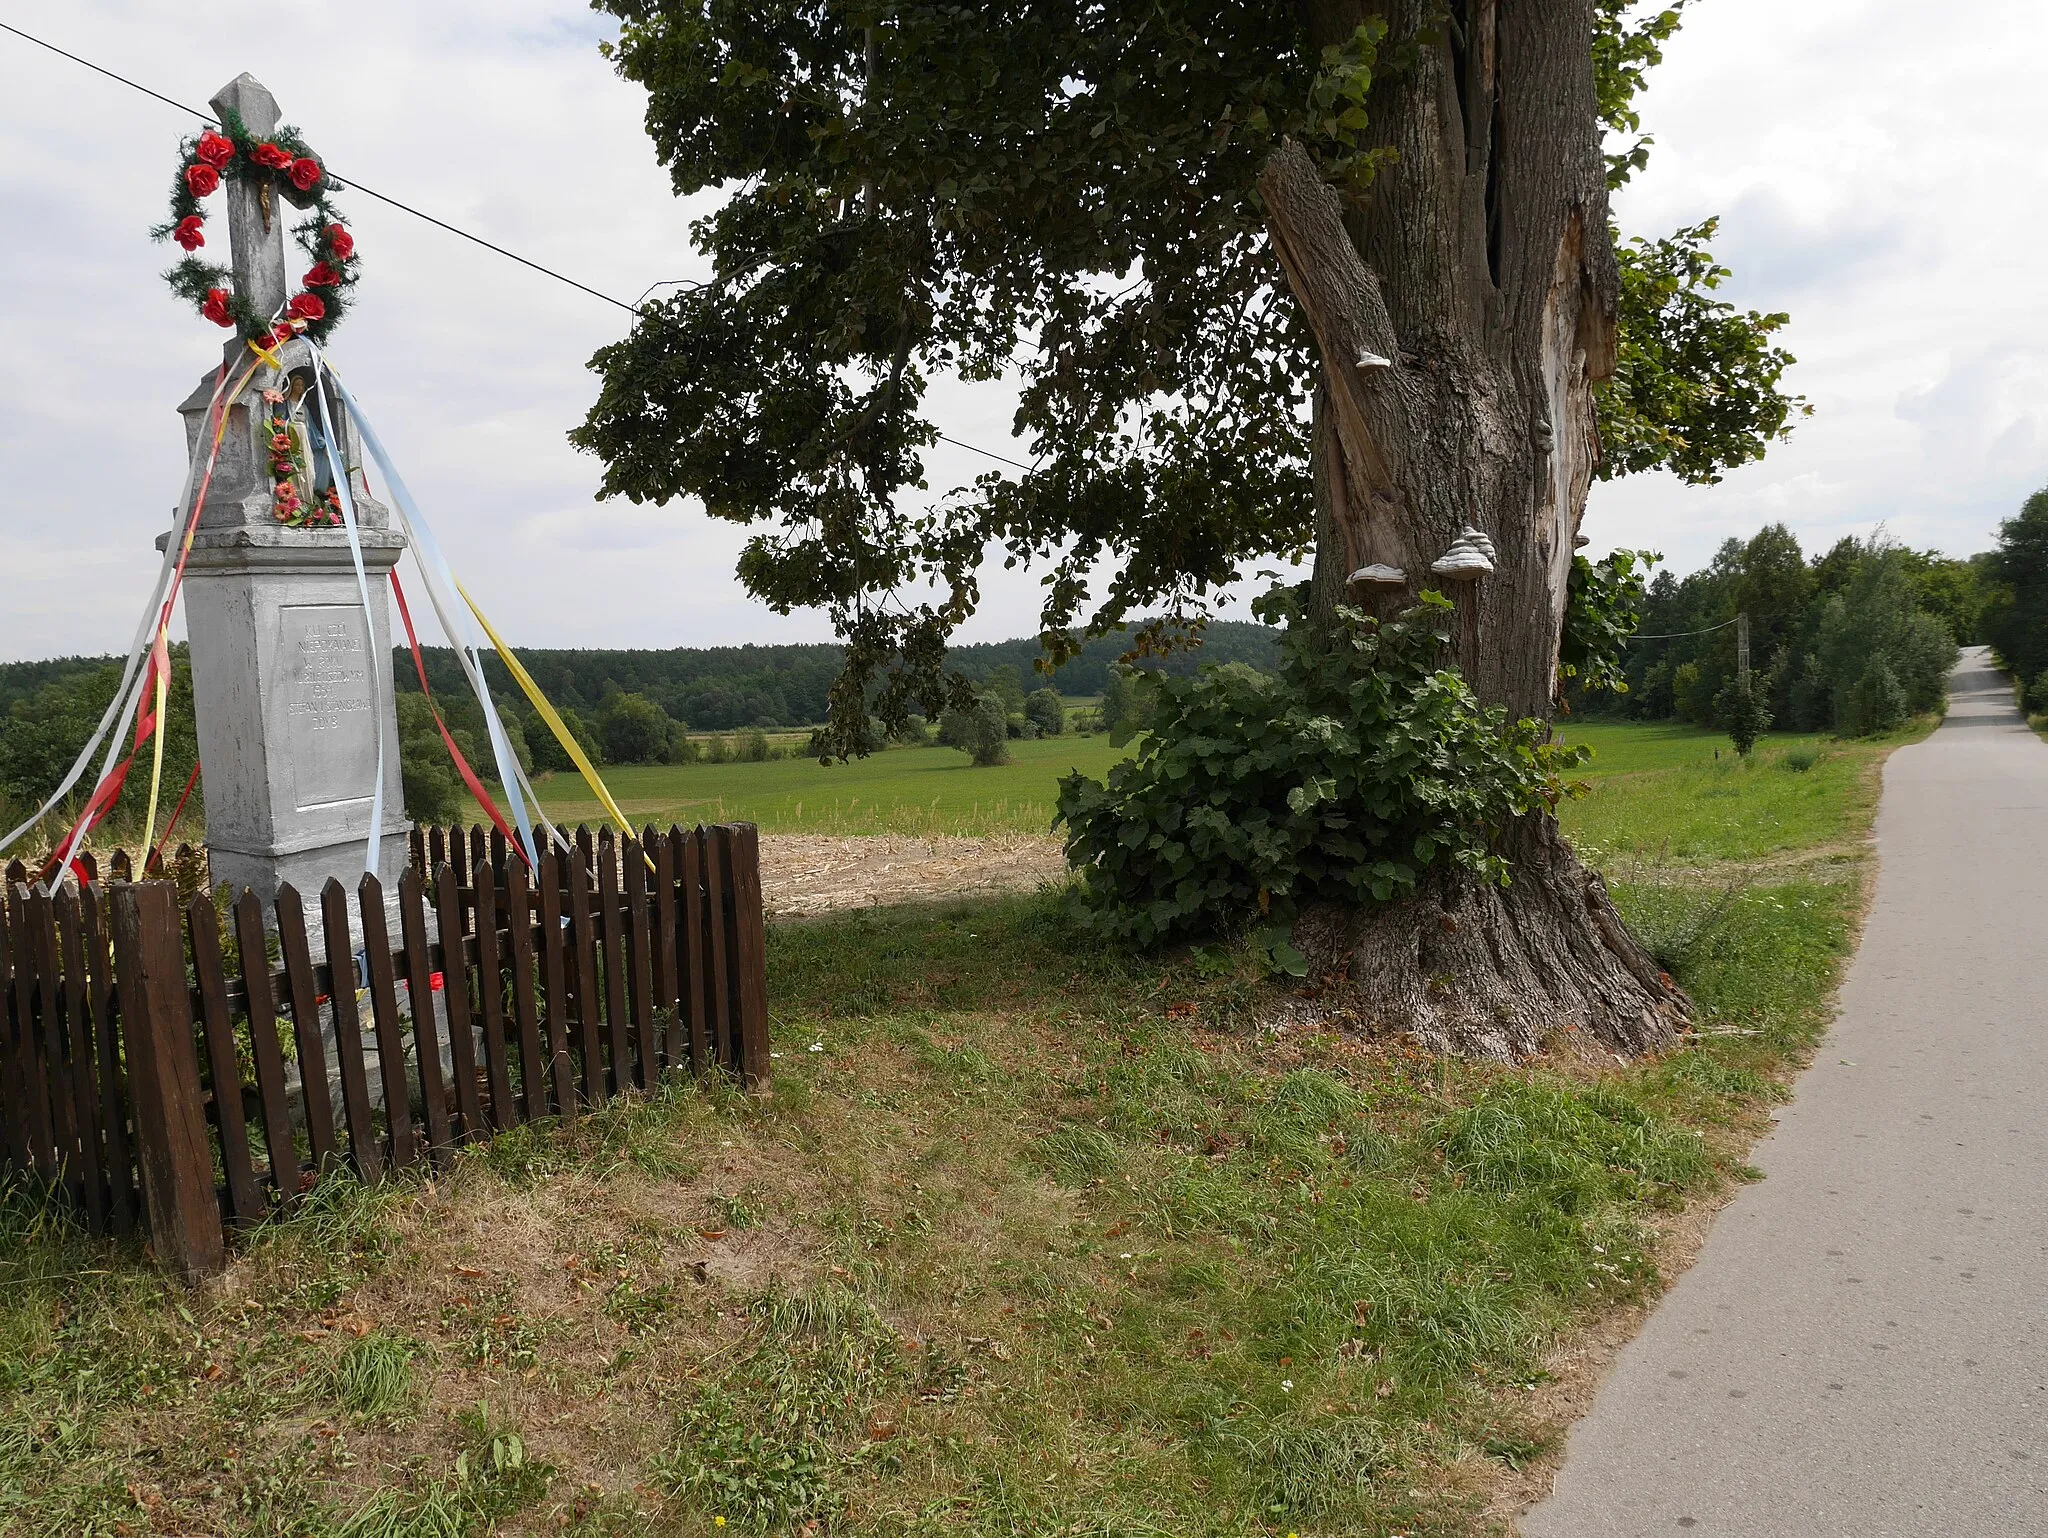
(1347,776)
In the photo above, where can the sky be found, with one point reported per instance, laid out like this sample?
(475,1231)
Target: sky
(1876,176)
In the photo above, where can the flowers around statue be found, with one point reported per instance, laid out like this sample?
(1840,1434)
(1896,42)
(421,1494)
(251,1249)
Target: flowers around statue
(288,165)
(290,476)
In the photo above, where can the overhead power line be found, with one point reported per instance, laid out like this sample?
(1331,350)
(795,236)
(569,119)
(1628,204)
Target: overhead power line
(1679,635)
(442,224)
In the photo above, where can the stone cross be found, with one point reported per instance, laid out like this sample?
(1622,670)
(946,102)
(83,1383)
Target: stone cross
(255,214)
(291,677)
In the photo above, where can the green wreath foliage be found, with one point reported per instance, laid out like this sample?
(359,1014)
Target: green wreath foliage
(1356,769)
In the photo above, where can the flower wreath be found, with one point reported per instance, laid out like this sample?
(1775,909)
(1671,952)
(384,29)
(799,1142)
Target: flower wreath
(282,164)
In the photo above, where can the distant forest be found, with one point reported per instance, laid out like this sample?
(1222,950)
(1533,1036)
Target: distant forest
(725,688)
(728,688)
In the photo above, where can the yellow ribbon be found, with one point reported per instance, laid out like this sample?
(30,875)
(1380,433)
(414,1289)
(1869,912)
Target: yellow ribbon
(547,713)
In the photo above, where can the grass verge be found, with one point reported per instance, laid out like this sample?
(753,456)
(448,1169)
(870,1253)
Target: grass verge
(1030,1238)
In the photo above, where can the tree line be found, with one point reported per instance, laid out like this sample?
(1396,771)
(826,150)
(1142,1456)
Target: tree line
(2015,619)
(623,707)
(1852,640)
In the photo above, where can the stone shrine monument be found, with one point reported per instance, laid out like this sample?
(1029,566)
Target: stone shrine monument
(291,677)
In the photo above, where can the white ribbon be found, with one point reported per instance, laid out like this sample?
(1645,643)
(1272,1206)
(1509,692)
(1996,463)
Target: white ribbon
(440,585)
(377,669)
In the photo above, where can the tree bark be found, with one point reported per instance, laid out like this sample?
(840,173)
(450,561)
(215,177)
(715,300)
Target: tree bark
(1480,267)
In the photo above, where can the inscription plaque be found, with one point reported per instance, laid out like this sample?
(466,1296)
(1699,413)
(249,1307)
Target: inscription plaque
(330,720)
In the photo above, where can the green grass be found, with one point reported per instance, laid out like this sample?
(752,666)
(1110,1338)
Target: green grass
(1030,1237)
(1680,793)
(902,790)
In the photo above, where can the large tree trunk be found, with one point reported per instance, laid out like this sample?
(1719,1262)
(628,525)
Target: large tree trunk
(1481,269)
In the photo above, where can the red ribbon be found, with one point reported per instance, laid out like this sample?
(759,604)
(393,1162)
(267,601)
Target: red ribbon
(476,786)
(157,856)
(108,791)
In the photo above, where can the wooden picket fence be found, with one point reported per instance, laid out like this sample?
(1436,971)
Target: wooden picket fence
(156,1073)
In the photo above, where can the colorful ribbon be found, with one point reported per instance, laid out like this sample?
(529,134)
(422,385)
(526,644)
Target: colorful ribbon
(440,583)
(547,713)
(469,776)
(156,857)
(355,549)
(128,699)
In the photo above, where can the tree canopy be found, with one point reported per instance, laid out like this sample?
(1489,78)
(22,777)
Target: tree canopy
(1067,195)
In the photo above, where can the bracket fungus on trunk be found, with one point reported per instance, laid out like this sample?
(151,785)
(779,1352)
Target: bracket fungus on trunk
(1470,557)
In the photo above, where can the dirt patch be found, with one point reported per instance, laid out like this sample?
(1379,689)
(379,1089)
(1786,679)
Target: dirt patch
(803,875)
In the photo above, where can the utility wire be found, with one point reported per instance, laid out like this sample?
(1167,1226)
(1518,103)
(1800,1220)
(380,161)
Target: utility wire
(348,182)
(961,444)
(356,186)
(1679,635)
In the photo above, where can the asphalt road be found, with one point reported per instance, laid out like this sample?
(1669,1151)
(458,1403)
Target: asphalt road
(1862,1347)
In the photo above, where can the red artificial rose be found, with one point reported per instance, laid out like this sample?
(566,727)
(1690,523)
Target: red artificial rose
(284,333)
(201,180)
(321,276)
(215,151)
(189,232)
(268,154)
(215,308)
(305,174)
(306,307)
(340,243)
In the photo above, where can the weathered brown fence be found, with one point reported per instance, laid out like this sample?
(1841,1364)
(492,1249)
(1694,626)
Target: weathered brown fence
(156,1071)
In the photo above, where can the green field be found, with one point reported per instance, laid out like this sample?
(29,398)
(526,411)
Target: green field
(902,790)
(1680,793)
(1658,792)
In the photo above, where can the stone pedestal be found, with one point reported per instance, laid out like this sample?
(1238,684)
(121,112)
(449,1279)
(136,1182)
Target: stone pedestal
(290,676)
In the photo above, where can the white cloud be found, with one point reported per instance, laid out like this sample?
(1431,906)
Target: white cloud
(1877,176)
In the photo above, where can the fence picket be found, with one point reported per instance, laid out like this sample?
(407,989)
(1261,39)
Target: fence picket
(223,1065)
(348,1032)
(490,995)
(303,995)
(611,932)
(716,941)
(455,997)
(13,1093)
(261,991)
(583,956)
(112,1081)
(426,1035)
(85,1100)
(49,1036)
(533,1071)
(384,1016)
(667,999)
(695,990)
(172,1149)
(639,964)
(554,984)
(750,950)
